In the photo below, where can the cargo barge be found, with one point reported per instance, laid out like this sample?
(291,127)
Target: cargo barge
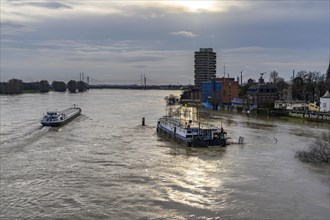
(58,118)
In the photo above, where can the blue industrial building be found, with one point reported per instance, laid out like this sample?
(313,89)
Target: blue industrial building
(211,94)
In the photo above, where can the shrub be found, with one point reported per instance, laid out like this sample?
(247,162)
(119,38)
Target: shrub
(319,151)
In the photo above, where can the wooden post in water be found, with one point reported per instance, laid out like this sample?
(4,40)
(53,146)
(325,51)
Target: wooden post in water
(143,121)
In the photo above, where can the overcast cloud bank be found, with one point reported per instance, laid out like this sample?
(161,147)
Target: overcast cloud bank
(120,40)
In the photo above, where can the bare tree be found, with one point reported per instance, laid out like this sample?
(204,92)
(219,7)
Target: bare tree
(327,80)
(319,151)
(273,77)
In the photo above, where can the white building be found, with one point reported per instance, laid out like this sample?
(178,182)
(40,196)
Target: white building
(325,102)
(205,65)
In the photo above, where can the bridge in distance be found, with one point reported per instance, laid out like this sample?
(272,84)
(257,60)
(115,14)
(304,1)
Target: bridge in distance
(143,84)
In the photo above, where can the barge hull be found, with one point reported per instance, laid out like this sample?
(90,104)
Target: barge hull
(72,114)
(196,142)
(60,123)
(171,135)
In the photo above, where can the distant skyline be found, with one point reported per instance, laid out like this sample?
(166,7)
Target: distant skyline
(117,41)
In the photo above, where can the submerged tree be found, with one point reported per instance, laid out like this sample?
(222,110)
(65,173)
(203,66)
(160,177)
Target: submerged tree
(319,151)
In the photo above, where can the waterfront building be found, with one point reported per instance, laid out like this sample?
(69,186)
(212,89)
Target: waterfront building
(211,94)
(229,91)
(262,95)
(205,65)
(325,102)
(237,103)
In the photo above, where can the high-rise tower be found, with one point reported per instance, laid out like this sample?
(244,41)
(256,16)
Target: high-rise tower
(205,65)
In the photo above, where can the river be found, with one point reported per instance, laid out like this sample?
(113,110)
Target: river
(105,165)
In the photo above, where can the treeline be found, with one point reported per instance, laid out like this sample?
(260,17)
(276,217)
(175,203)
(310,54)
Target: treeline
(310,86)
(307,86)
(17,86)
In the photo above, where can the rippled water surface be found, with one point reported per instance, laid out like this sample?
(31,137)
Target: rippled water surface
(105,165)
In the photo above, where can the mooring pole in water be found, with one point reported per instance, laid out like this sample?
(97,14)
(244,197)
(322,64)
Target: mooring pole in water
(143,121)
(240,140)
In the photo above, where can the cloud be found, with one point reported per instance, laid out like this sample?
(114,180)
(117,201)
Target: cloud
(48,5)
(185,34)
(11,24)
(39,37)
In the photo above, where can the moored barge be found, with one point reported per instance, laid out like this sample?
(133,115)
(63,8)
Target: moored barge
(191,134)
(58,118)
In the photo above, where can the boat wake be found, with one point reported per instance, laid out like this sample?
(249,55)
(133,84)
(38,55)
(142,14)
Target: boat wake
(20,136)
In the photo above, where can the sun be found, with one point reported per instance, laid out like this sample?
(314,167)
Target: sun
(196,5)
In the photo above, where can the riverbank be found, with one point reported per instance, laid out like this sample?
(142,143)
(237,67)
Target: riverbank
(305,115)
(294,117)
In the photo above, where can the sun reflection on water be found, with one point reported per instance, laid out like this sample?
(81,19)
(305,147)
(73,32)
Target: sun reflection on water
(194,182)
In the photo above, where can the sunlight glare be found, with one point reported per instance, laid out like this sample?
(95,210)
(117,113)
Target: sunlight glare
(197,5)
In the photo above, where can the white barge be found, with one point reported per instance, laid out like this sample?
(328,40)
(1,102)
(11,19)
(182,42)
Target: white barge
(191,134)
(58,118)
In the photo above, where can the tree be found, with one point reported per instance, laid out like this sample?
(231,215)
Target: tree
(327,80)
(72,86)
(215,100)
(59,86)
(282,87)
(250,82)
(273,77)
(3,88)
(31,86)
(15,86)
(298,88)
(309,81)
(82,86)
(44,86)
(308,86)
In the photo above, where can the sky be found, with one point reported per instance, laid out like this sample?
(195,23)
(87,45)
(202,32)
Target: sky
(116,41)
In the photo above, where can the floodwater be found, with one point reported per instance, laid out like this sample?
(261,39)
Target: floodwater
(105,165)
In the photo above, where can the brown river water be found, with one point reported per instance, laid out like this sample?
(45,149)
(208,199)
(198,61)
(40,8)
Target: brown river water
(105,165)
